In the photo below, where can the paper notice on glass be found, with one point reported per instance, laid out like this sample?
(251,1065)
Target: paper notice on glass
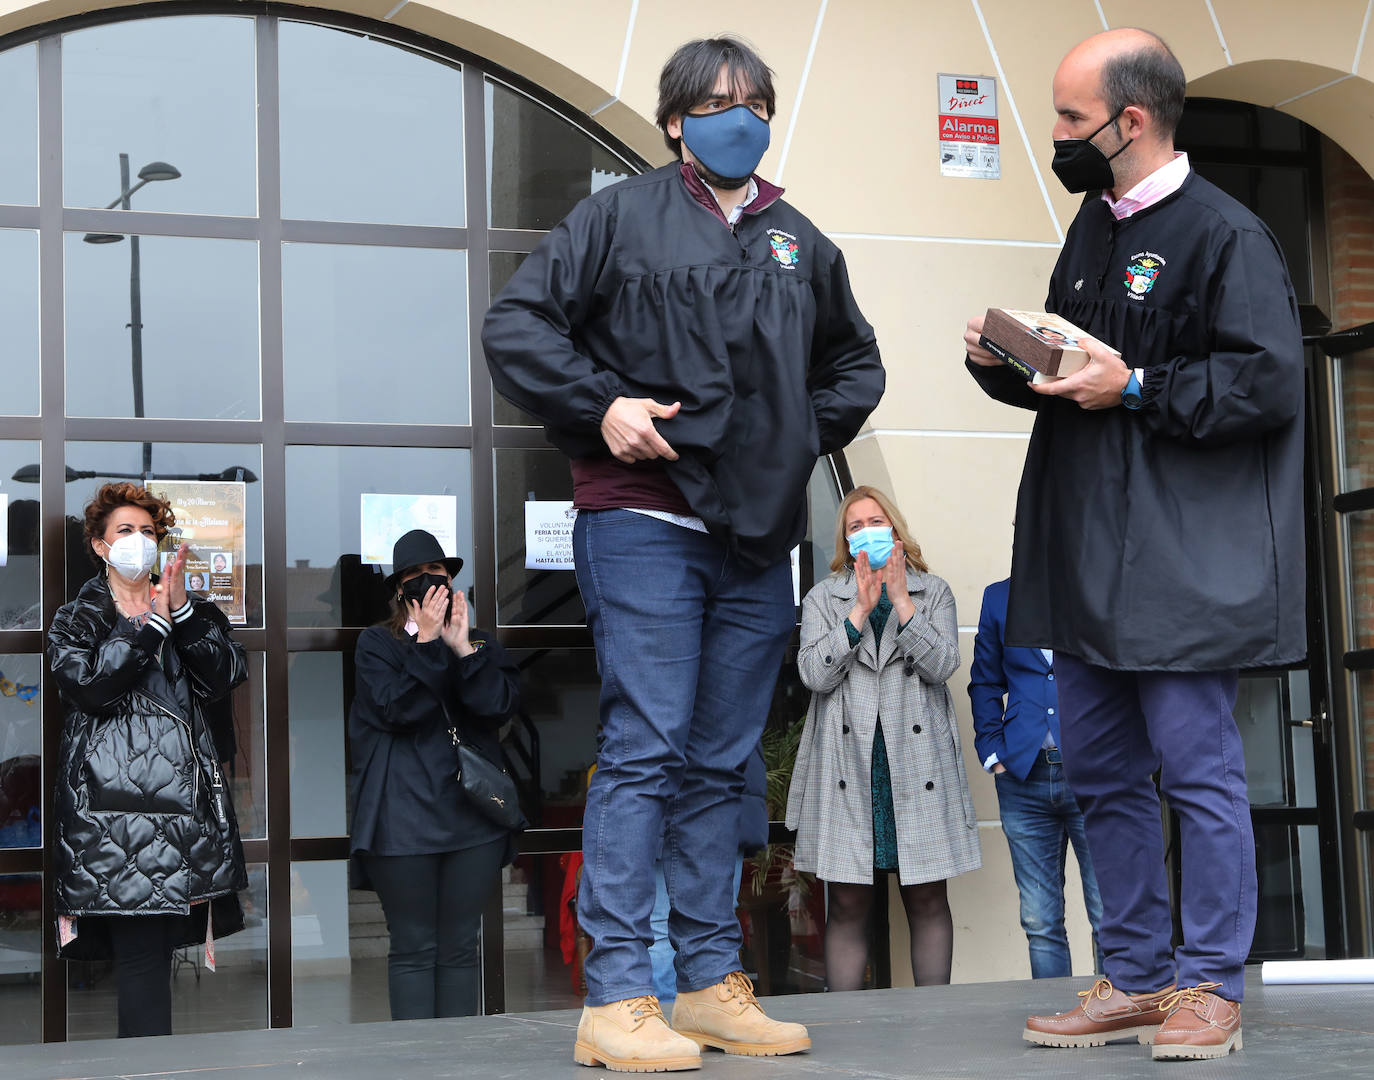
(548,535)
(211,519)
(4,528)
(387,518)
(1294,972)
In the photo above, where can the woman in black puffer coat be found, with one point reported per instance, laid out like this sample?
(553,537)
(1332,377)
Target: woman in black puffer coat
(147,846)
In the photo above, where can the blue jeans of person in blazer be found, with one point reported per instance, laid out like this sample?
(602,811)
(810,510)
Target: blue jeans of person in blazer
(1040,818)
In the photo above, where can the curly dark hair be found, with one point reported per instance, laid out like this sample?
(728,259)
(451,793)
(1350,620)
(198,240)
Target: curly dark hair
(110,497)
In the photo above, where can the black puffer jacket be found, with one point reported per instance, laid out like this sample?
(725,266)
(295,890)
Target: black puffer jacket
(144,823)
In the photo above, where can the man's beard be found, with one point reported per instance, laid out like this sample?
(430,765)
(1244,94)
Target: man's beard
(724,183)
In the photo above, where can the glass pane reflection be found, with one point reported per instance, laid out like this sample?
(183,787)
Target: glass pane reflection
(21,958)
(90,464)
(21,749)
(319,725)
(503,265)
(234,998)
(19,126)
(180,91)
(559,694)
(531,596)
(18,317)
(369,132)
(198,348)
(242,742)
(539,166)
(327,582)
(375,334)
(19,516)
(544,948)
(339,943)
(1356,385)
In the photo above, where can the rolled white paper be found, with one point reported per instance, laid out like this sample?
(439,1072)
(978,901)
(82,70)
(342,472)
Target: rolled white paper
(1292,972)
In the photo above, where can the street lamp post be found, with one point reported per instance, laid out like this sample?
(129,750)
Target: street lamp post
(153,171)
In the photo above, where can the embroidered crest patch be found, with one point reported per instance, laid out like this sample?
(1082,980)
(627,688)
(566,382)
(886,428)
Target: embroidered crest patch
(1142,273)
(785,249)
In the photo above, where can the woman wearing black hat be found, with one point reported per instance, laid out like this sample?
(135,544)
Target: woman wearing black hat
(432,859)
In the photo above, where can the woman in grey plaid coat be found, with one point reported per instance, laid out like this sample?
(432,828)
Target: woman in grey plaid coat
(879,782)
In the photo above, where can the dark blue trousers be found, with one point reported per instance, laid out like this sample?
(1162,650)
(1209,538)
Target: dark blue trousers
(1117,728)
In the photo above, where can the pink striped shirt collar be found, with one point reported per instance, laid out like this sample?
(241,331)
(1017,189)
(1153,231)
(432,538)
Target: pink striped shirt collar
(1164,181)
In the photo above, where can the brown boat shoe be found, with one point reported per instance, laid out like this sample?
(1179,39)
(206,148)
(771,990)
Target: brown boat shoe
(1200,1025)
(1104,1015)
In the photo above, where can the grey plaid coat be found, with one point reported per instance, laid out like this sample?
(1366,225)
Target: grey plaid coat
(900,679)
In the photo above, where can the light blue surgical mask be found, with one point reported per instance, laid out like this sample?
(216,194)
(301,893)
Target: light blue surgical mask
(876,541)
(730,143)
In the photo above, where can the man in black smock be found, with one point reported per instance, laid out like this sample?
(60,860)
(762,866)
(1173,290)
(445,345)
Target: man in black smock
(691,342)
(1159,542)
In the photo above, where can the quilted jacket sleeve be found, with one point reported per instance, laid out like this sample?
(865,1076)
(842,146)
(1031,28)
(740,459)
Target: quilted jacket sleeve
(216,661)
(95,666)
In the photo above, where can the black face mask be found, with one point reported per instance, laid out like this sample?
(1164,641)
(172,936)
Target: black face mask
(416,588)
(1082,166)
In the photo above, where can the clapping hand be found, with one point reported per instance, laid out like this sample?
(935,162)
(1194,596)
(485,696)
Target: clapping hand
(455,633)
(870,584)
(169,594)
(894,577)
(429,614)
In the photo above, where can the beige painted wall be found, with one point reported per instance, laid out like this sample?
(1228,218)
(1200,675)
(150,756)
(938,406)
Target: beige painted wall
(854,142)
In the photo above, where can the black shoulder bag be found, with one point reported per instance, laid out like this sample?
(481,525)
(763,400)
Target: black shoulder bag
(487,786)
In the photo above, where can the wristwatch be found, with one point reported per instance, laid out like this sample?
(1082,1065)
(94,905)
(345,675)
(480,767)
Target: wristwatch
(1130,395)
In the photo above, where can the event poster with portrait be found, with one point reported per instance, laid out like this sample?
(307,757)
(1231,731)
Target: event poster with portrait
(210,515)
(386,518)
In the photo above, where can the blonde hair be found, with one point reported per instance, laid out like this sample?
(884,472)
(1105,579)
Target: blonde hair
(900,531)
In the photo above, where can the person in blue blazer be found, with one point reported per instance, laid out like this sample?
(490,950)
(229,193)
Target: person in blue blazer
(1019,744)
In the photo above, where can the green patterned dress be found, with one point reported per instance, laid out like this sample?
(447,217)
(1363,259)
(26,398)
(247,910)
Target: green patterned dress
(884,816)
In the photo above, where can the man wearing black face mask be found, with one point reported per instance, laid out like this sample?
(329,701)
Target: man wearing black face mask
(1159,543)
(691,342)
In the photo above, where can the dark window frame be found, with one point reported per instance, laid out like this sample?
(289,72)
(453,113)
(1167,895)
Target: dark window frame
(273,433)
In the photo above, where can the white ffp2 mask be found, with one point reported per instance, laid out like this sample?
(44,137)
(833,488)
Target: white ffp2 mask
(132,556)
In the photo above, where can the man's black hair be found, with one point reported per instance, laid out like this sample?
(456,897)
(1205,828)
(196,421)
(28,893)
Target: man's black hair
(1149,76)
(689,79)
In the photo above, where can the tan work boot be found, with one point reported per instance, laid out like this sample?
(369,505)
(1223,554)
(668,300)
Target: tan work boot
(729,1017)
(1104,1015)
(632,1036)
(1200,1025)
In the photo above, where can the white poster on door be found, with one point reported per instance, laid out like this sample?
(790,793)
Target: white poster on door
(549,535)
(386,518)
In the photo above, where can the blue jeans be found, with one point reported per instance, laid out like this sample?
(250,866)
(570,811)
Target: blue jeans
(661,953)
(1116,728)
(1040,818)
(689,643)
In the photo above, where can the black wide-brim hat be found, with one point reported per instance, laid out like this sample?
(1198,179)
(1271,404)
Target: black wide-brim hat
(416,548)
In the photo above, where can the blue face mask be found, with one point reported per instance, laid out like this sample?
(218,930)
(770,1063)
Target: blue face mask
(876,541)
(730,143)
